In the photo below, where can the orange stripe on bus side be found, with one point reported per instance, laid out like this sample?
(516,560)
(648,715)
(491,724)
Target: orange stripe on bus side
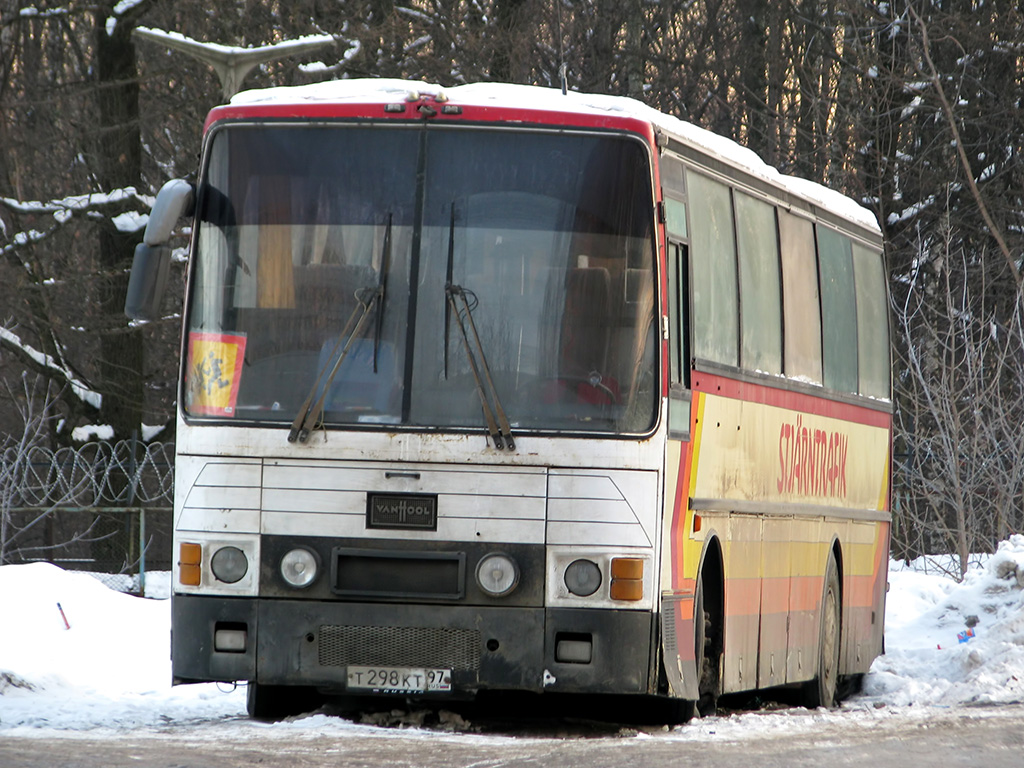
(805,592)
(679,508)
(785,594)
(775,594)
(860,591)
(742,597)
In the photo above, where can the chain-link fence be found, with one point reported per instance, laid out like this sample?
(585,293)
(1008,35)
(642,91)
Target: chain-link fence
(103,507)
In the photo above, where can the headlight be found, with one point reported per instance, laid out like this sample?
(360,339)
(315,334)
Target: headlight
(299,567)
(229,564)
(582,577)
(497,574)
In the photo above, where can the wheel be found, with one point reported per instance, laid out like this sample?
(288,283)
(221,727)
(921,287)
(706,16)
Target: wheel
(821,691)
(676,711)
(706,650)
(849,685)
(276,702)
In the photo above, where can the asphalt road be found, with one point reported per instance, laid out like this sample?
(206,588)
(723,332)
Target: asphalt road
(977,737)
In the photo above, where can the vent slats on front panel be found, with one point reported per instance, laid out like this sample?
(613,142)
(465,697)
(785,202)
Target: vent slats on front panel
(429,647)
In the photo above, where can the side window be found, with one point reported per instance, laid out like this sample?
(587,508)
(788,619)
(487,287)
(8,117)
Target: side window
(838,310)
(714,309)
(801,304)
(676,308)
(678,395)
(872,322)
(673,182)
(760,297)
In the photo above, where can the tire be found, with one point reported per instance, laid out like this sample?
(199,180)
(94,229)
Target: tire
(821,691)
(677,711)
(276,702)
(706,653)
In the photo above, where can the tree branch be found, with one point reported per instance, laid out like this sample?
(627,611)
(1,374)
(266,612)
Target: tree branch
(961,152)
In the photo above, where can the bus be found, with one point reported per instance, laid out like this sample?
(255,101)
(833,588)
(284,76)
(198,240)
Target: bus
(493,388)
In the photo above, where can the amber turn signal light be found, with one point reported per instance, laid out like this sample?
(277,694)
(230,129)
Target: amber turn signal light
(190,558)
(627,578)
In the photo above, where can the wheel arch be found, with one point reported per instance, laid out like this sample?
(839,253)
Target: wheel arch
(711,570)
(837,552)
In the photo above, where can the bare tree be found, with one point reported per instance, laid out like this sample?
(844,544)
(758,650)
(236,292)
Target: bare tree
(35,405)
(960,454)
(913,108)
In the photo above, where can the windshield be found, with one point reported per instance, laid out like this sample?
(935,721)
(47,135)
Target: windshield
(326,255)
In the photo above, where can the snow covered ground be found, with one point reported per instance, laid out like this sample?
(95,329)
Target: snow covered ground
(76,656)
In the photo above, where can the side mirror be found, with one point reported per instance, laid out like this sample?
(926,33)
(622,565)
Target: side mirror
(174,200)
(152,262)
(148,281)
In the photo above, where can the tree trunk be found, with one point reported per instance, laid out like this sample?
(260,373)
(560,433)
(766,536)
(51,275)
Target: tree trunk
(119,152)
(507,36)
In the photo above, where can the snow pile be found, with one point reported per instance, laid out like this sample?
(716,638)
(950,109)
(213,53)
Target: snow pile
(927,660)
(108,666)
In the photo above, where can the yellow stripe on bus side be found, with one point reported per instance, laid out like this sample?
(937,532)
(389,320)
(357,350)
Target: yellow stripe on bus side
(698,429)
(883,495)
(690,548)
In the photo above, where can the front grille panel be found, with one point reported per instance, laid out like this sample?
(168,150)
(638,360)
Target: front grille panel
(430,647)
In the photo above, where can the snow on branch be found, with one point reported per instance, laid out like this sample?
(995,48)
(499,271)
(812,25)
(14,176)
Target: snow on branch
(42,13)
(126,209)
(125,10)
(48,366)
(65,207)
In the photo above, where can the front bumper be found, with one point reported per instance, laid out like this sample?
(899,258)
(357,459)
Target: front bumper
(312,643)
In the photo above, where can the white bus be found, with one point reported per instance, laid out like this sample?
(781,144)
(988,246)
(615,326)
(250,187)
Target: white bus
(497,389)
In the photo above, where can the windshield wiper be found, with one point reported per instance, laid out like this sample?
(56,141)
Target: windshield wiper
(309,414)
(447,282)
(366,298)
(497,421)
(458,303)
(382,289)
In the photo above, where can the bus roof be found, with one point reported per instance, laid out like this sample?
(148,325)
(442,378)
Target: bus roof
(497,99)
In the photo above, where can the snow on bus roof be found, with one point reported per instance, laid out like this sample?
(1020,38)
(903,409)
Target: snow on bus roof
(386,90)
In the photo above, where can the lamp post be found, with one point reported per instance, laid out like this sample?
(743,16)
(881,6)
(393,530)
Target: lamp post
(231,63)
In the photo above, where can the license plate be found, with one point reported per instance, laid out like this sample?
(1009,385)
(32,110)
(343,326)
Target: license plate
(399,679)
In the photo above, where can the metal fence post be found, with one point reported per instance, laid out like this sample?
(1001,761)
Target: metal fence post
(133,469)
(142,551)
